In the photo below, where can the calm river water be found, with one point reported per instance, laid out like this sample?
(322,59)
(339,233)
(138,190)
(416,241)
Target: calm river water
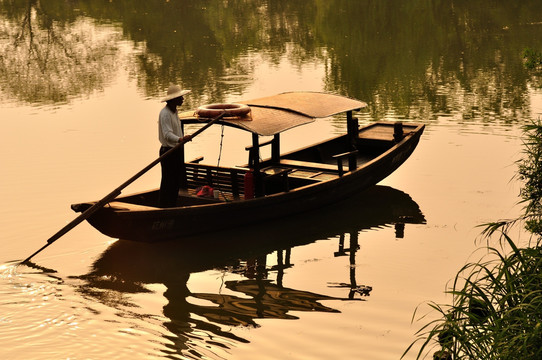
(80,89)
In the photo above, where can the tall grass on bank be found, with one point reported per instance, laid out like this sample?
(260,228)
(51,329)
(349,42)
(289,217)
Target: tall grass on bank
(496,310)
(530,173)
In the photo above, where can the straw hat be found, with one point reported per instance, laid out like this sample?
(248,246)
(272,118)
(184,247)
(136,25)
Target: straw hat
(175,91)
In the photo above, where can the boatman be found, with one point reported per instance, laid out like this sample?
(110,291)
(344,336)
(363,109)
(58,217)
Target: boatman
(170,133)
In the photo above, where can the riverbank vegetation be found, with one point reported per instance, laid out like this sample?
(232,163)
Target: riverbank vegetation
(533,59)
(496,309)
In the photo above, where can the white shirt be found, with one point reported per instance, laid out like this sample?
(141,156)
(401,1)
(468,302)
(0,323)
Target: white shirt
(169,127)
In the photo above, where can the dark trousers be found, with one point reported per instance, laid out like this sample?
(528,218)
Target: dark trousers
(172,171)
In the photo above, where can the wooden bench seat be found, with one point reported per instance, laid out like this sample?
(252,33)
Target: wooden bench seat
(309,165)
(300,177)
(333,168)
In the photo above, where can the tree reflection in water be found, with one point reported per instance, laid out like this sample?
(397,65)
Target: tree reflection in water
(198,320)
(457,60)
(50,57)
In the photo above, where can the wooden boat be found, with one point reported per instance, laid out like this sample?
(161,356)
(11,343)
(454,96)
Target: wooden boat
(263,190)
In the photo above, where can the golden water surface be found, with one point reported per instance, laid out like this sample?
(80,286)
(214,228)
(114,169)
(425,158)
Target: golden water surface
(80,93)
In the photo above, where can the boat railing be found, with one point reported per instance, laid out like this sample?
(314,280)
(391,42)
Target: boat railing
(228,181)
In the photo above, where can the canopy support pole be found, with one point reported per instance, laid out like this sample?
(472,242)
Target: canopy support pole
(352,127)
(183,182)
(255,161)
(275,148)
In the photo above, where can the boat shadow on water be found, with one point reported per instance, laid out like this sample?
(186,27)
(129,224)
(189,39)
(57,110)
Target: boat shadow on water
(127,267)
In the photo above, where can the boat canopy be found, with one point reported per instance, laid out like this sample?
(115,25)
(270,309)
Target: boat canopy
(274,114)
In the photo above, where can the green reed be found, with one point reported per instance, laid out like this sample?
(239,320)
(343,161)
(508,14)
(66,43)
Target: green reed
(530,172)
(496,310)
(533,59)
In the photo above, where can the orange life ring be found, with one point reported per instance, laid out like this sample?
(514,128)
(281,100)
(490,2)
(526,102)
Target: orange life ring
(213,110)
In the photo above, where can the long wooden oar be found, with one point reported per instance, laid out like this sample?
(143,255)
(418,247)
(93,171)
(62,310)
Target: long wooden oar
(113,194)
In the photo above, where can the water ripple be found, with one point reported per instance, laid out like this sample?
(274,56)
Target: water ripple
(45,316)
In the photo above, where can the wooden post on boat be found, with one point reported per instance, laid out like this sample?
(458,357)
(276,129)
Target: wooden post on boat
(398,131)
(255,161)
(352,129)
(275,148)
(183,182)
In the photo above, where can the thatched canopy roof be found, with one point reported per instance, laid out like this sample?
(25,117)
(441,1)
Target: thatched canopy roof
(274,114)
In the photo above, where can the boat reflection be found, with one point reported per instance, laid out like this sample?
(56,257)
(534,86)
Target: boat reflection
(128,267)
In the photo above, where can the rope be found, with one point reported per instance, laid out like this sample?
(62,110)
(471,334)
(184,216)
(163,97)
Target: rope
(220,157)
(220,151)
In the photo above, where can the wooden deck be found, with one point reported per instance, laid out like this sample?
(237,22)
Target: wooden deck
(382,133)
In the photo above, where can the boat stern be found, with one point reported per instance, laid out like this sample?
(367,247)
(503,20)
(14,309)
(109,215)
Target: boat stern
(80,208)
